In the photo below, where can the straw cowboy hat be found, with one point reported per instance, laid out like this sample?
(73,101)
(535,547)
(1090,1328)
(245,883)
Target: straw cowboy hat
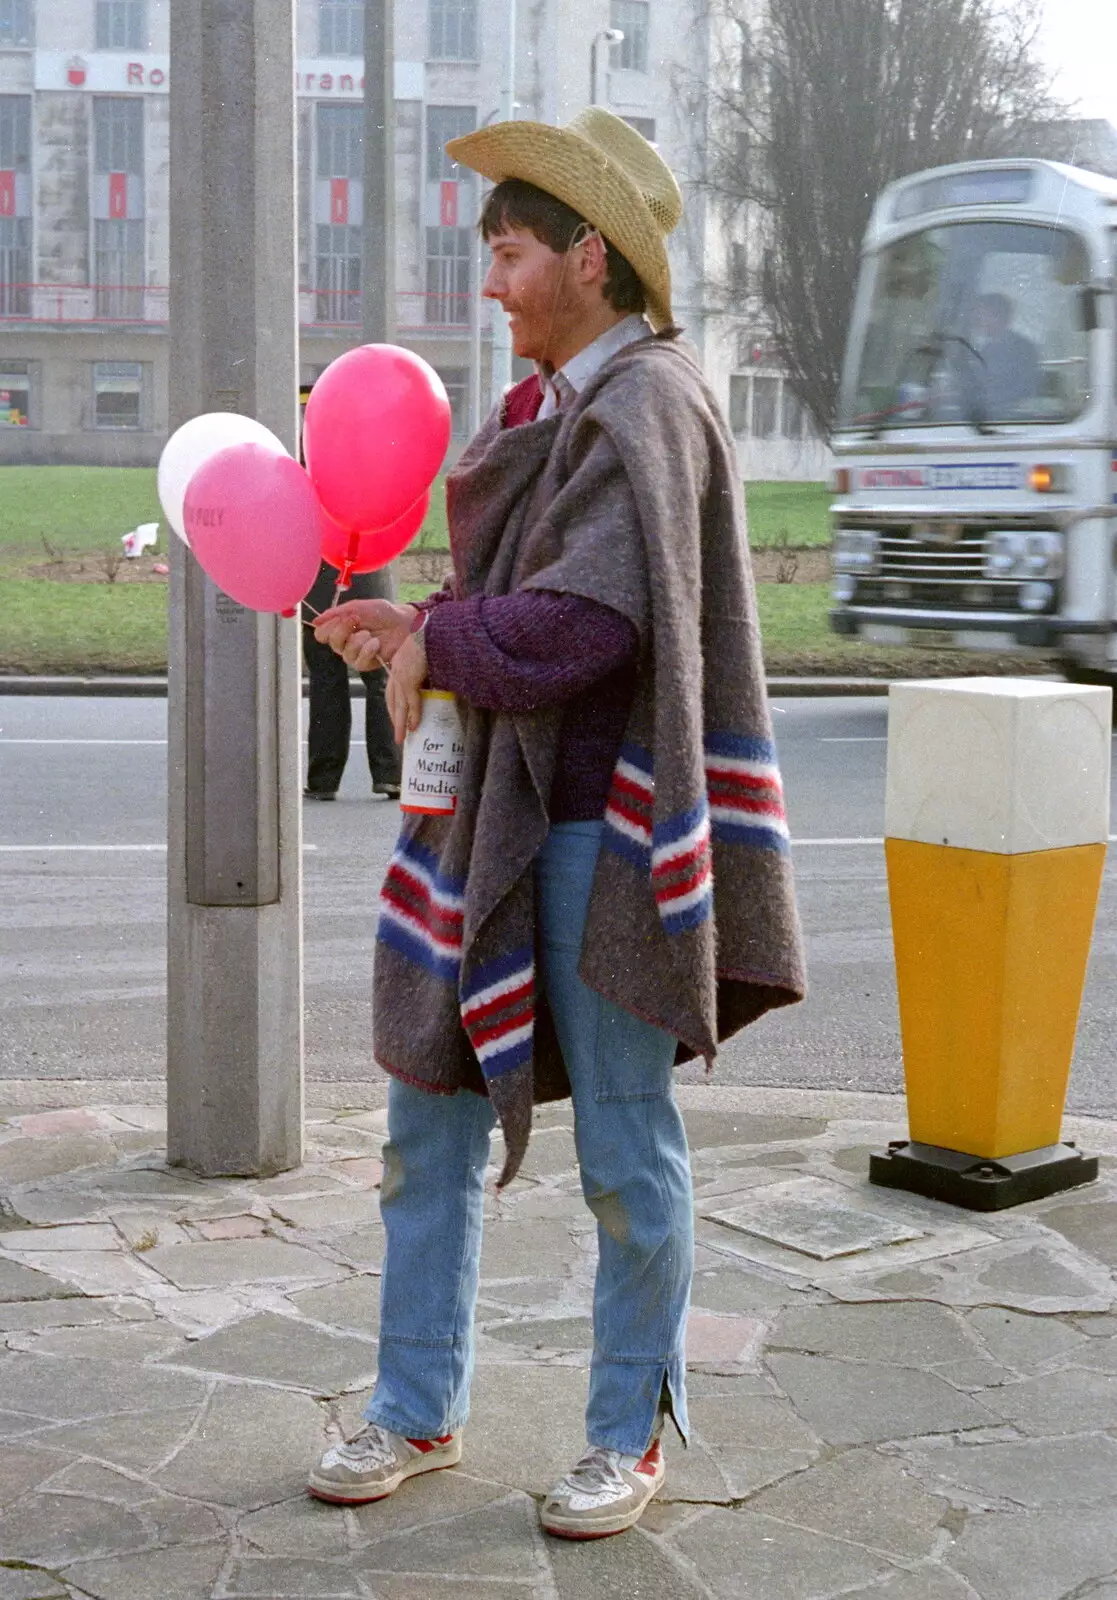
(605,171)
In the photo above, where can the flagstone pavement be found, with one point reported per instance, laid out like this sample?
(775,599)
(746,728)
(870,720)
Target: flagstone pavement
(889,1397)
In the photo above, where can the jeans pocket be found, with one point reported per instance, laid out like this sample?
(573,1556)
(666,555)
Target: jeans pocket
(633,1059)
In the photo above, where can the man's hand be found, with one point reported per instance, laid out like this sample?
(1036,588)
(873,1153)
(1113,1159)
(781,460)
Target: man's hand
(365,633)
(404,697)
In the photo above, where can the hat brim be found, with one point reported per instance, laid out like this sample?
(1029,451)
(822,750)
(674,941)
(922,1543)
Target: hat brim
(581,175)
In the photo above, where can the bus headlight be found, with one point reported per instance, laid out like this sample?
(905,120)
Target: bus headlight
(845,587)
(856,550)
(1023,555)
(1035,596)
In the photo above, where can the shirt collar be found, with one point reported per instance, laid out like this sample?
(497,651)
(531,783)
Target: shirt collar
(582,367)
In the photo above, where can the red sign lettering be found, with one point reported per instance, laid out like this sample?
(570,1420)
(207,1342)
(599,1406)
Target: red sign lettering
(136,73)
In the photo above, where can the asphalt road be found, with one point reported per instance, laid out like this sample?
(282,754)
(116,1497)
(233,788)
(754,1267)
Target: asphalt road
(82,907)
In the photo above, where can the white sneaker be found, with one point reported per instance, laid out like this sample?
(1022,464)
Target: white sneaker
(375,1462)
(605,1493)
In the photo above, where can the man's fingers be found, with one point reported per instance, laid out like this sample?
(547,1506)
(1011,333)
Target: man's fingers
(414,697)
(393,699)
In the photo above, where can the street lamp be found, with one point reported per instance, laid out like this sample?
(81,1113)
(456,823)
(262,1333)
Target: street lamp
(606,36)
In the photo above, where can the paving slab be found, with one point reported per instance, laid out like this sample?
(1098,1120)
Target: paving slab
(1089,1225)
(712,1128)
(855,1402)
(1033,1472)
(354,1303)
(810,1217)
(863,1497)
(116,1341)
(65,1389)
(19,1282)
(205,1266)
(18,1583)
(301,1527)
(498,1541)
(1069,1401)
(183,1573)
(1046,1555)
(900,1335)
(1024,1341)
(742,1556)
(282,1350)
(255,1446)
(25,1160)
(272,1578)
(635,1566)
(138,1441)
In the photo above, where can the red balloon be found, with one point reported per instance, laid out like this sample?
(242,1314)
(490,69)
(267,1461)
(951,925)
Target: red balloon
(376,429)
(252,520)
(377,547)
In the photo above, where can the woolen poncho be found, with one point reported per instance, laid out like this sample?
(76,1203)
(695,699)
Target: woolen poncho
(629,497)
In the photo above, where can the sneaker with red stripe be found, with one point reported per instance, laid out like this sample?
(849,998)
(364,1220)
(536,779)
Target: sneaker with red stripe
(605,1493)
(375,1462)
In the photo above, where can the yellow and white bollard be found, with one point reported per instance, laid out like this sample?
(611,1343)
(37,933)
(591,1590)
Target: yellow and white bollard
(996,822)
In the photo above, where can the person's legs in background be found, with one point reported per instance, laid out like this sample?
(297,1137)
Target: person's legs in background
(384,755)
(329,718)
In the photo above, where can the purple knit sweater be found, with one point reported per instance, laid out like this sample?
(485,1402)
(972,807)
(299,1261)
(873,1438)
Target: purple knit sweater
(521,652)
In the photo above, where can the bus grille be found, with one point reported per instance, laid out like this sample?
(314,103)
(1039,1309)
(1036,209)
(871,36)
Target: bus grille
(950,577)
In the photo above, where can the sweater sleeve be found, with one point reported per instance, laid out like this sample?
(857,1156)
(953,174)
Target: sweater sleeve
(520,652)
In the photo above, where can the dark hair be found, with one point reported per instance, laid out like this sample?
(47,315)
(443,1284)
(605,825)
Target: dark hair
(516,204)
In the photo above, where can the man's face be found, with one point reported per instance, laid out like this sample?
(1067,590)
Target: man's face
(526,277)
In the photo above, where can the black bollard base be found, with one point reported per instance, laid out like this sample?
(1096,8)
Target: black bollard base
(978,1182)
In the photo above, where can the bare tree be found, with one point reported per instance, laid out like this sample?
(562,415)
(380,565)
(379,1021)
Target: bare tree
(813,109)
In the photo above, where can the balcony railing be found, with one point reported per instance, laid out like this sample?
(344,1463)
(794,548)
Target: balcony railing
(115,305)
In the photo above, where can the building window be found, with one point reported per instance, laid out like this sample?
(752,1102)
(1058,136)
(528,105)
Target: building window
(118,207)
(443,124)
(118,394)
(448,258)
(15,394)
(456,383)
(15,205)
(739,403)
(341,27)
(453,30)
(645,126)
(121,25)
(338,213)
(631,17)
(15,22)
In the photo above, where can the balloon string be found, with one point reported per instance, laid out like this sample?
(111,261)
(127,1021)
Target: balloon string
(345,575)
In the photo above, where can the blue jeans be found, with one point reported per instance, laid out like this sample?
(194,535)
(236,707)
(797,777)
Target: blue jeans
(635,1177)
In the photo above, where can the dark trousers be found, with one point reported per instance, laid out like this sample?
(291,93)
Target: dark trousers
(330,715)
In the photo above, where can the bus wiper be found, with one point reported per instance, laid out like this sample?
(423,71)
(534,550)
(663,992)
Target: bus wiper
(975,415)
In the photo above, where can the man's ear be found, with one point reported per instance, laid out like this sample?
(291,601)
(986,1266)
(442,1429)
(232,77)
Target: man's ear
(593,264)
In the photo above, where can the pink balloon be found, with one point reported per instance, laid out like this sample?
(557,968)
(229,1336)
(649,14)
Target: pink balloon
(377,547)
(252,520)
(375,432)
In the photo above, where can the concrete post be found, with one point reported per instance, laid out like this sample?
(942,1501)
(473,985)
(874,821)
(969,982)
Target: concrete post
(996,822)
(234,979)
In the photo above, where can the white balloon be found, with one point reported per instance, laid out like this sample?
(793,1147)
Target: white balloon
(190,446)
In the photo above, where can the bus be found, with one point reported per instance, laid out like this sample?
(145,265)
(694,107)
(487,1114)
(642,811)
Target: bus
(975,448)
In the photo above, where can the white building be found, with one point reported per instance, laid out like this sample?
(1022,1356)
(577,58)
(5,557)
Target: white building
(84,199)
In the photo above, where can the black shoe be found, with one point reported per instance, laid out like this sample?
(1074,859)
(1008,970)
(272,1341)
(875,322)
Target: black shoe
(390,791)
(319,794)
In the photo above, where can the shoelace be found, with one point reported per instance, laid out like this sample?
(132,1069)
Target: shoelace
(597,1470)
(371,1445)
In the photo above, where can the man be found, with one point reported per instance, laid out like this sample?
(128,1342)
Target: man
(561,932)
(1011,370)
